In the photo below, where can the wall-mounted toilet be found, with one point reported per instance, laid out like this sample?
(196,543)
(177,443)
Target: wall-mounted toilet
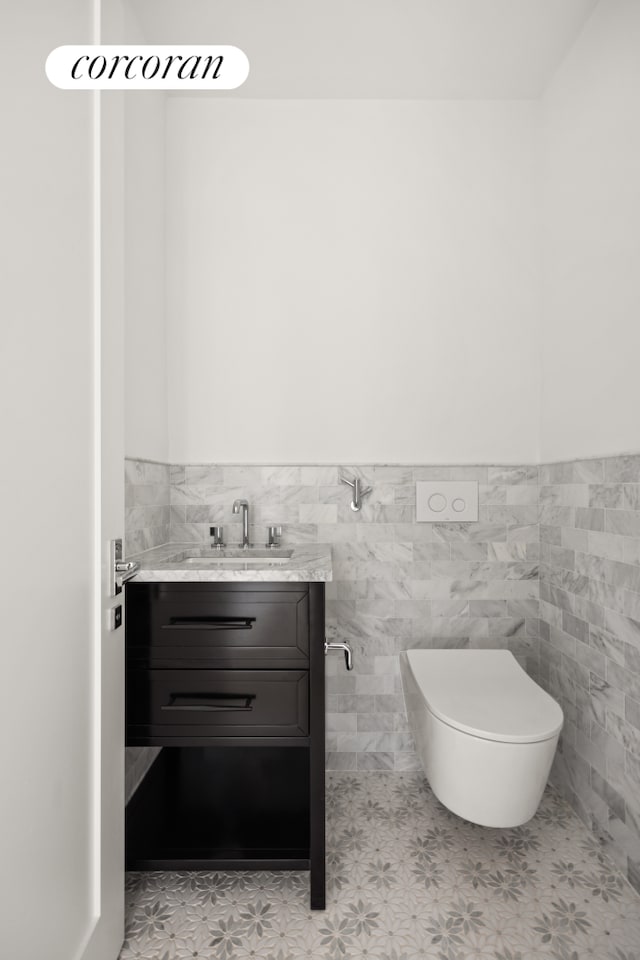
(485,732)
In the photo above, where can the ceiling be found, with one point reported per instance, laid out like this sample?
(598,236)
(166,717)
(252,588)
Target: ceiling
(399,49)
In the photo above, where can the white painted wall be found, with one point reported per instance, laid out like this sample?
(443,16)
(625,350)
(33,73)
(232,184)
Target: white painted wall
(146,433)
(380,49)
(352,281)
(47,482)
(591,335)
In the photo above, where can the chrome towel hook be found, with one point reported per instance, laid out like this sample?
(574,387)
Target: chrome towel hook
(358,493)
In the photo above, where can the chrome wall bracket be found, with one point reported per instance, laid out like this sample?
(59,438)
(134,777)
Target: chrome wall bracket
(359,493)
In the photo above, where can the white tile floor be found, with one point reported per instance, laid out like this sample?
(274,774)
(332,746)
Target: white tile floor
(407,880)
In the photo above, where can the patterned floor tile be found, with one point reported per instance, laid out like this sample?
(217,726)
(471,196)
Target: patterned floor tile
(407,880)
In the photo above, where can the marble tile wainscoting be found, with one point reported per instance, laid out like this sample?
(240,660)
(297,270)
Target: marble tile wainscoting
(397,583)
(590,647)
(551,571)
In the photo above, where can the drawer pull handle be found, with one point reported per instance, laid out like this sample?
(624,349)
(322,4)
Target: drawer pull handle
(209,623)
(226,701)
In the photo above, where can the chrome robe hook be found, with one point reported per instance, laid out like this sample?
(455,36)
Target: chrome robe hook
(358,493)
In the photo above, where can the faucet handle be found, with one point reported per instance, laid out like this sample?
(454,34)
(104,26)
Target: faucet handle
(217,536)
(274,536)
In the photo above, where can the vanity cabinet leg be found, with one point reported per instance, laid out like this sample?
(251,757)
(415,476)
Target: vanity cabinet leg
(317,878)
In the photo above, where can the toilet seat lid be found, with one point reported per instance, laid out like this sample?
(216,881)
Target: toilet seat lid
(485,693)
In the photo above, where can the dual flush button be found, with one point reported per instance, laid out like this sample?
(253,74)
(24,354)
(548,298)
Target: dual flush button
(437,502)
(444,501)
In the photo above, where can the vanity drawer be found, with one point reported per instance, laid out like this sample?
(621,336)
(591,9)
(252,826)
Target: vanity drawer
(215,625)
(217,703)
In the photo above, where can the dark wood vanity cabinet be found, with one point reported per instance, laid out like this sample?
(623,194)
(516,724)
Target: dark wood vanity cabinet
(228,678)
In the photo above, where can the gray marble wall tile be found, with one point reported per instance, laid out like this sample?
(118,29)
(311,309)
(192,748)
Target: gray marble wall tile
(527,474)
(565,494)
(147,504)
(623,469)
(198,473)
(625,523)
(574,539)
(590,605)
(398,583)
(590,518)
(573,471)
(614,496)
(632,711)
(520,494)
(631,550)
(492,493)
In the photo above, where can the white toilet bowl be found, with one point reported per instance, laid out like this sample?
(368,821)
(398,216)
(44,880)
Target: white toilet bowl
(485,732)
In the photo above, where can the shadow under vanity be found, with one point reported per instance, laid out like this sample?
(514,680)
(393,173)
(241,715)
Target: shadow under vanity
(225,672)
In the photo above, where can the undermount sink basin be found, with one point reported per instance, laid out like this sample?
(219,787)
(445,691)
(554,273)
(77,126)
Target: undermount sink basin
(236,557)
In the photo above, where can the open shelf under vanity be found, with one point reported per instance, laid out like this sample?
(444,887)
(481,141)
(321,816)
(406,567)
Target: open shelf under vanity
(212,808)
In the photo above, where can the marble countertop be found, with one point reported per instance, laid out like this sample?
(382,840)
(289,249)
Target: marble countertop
(309,562)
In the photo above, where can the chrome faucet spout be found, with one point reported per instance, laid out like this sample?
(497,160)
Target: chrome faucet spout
(243,505)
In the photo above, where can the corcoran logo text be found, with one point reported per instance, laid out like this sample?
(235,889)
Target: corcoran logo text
(147,67)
